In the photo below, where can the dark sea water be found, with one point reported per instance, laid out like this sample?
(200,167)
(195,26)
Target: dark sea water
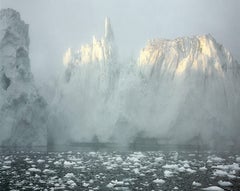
(83,168)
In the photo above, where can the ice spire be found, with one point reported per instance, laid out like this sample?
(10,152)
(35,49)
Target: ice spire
(23,112)
(108,30)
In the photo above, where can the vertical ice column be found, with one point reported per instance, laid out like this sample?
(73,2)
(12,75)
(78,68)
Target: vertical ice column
(108,30)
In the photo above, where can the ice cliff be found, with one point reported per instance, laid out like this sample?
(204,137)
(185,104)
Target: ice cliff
(180,90)
(196,83)
(100,50)
(23,112)
(90,78)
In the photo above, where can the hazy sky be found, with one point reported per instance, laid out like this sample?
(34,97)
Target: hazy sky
(56,25)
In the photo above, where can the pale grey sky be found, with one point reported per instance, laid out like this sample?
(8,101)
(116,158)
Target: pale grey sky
(56,25)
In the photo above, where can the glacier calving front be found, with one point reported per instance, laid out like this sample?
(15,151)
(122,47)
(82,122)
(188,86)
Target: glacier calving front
(179,90)
(182,89)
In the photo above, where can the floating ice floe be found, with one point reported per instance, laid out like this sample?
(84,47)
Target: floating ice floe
(233,166)
(48,171)
(238,159)
(224,183)
(136,171)
(168,173)
(213,188)
(34,170)
(71,183)
(8,162)
(159,181)
(57,163)
(215,159)
(189,170)
(5,167)
(203,168)
(119,183)
(69,175)
(68,164)
(40,161)
(220,173)
(171,166)
(85,184)
(159,159)
(110,185)
(119,159)
(196,183)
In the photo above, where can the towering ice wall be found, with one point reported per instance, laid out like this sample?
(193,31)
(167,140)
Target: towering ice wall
(90,78)
(23,113)
(97,58)
(182,90)
(196,83)
(100,50)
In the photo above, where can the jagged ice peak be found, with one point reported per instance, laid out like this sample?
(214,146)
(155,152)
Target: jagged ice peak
(100,50)
(200,53)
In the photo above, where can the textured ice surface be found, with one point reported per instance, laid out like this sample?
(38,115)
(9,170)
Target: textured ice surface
(22,110)
(185,90)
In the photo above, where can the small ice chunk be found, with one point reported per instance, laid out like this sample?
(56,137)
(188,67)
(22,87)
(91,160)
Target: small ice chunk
(57,163)
(34,170)
(220,173)
(69,175)
(40,161)
(238,159)
(110,185)
(181,169)
(216,159)
(213,188)
(133,159)
(71,183)
(138,155)
(224,183)
(233,166)
(196,183)
(92,153)
(171,166)
(27,159)
(231,176)
(119,183)
(5,167)
(8,162)
(168,173)
(136,171)
(119,159)
(85,184)
(189,170)
(203,168)
(159,159)
(186,165)
(48,171)
(68,164)
(159,181)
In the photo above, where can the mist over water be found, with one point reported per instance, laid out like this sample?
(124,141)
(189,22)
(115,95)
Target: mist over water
(179,91)
(83,112)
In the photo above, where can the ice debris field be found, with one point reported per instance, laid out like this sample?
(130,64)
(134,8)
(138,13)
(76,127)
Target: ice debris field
(161,170)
